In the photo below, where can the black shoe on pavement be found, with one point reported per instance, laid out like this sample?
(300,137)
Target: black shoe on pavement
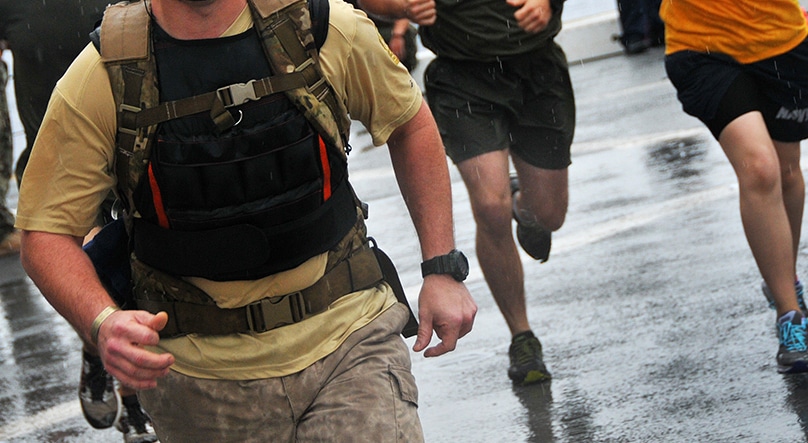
(633,47)
(527,366)
(98,396)
(134,423)
(535,240)
(792,355)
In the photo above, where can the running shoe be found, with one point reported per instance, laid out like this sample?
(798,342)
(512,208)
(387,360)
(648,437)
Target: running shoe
(100,401)
(792,356)
(798,288)
(535,240)
(527,366)
(134,423)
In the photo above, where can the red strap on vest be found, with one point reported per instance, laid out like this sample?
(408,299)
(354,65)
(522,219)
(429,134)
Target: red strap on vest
(326,169)
(157,197)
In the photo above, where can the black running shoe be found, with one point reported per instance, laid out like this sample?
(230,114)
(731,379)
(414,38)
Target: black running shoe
(98,396)
(535,240)
(134,423)
(527,366)
(792,355)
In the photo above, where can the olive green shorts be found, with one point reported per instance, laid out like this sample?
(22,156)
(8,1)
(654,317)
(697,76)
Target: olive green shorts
(525,104)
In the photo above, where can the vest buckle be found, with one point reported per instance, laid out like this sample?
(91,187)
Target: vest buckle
(274,312)
(237,93)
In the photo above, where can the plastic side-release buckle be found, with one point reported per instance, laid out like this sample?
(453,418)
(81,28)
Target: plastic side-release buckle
(237,94)
(271,313)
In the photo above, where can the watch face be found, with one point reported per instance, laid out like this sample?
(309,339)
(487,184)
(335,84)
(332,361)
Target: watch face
(462,265)
(454,264)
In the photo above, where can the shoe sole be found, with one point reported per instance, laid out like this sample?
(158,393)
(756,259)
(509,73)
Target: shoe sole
(533,377)
(796,368)
(105,425)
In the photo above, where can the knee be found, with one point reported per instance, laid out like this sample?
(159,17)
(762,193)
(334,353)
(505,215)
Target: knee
(760,174)
(494,216)
(550,214)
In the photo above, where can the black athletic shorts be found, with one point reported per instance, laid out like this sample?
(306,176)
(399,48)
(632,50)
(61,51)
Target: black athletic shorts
(716,89)
(524,103)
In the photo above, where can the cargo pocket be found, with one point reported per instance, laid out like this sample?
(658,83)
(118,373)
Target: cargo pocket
(408,426)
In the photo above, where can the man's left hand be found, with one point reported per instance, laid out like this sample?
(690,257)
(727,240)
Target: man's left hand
(446,308)
(532,15)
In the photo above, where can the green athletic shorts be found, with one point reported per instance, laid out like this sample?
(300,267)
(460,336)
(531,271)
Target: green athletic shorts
(524,103)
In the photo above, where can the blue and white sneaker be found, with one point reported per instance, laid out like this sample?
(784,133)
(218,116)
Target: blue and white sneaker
(792,356)
(798,288)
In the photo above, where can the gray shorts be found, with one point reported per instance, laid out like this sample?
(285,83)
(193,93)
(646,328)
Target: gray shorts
(524,103)
(364,391)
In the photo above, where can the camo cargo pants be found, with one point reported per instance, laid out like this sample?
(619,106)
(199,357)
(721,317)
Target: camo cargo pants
(6,155)
(362,392)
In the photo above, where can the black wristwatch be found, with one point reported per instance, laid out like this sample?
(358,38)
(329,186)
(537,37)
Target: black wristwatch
(454,263)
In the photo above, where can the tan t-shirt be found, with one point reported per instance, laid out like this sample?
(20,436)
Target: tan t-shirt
(71,172)
(746,30)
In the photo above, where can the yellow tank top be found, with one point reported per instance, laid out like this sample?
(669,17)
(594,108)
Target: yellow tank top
(746,30)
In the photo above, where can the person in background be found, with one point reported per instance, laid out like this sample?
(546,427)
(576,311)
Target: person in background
(44,38)
(501,93)
(263,310)
(399,34)
(9,237)
(742,69)
(641,25)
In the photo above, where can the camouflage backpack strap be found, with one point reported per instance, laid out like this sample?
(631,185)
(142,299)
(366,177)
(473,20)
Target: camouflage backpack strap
(126,51)
(285,27)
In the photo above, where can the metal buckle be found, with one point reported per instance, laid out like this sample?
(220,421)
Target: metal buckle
(237,94)
(274,312)
(132,110)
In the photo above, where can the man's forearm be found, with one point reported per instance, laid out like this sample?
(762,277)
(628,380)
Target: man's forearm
(385,8)
(420,164)
(65,276)
(421,12)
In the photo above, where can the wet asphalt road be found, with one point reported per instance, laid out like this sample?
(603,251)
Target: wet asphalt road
(649,309)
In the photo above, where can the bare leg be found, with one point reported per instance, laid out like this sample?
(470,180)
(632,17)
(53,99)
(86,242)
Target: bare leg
(543,196)
(793,185)
(767,225)
(486,178)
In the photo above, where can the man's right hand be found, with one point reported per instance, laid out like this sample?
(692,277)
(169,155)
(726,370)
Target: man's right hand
(422,12)
(122,338)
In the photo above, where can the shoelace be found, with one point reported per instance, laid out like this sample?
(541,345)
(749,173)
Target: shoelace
(524,351)
(793,337)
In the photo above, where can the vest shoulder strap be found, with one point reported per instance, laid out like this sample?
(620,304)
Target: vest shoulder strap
(291,43)
(289,35)
(125,41)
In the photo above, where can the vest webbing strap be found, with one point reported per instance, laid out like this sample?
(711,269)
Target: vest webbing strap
(127,125)
(229,96)
(286,33)
(358,272)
